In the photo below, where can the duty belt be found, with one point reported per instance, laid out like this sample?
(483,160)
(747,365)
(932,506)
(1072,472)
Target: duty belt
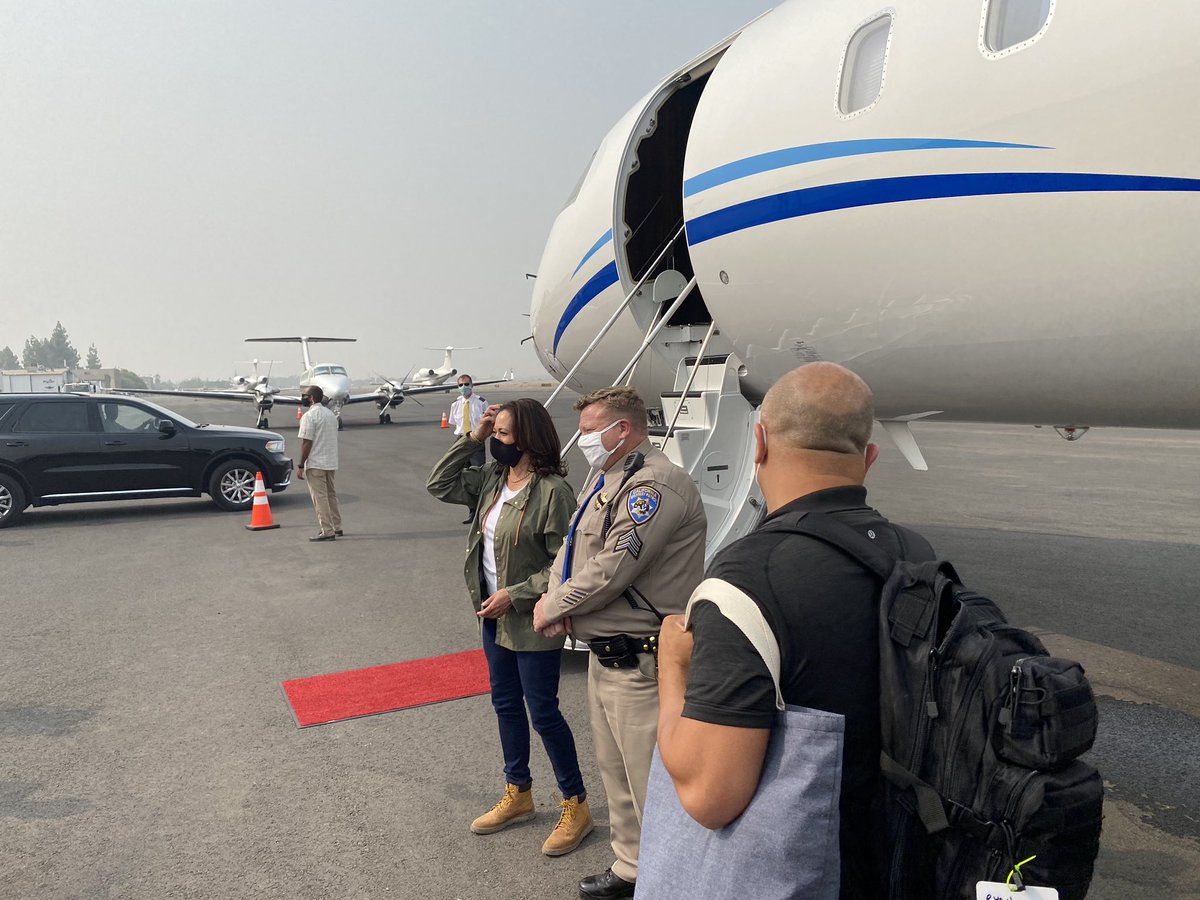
(621,650)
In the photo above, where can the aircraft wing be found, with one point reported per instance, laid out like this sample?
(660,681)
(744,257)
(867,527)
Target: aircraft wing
(434,388)
(365,398)
(408,392)
(214,395)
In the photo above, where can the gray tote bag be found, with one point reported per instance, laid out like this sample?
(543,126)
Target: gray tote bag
(785,845)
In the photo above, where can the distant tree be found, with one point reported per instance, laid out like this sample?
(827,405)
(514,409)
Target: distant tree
(8,359)
(54,352)
(126,379)
(93,358)
(59,347)
(31,356)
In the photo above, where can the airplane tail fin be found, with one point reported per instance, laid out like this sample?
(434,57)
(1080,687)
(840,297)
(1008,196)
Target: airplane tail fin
(303,341)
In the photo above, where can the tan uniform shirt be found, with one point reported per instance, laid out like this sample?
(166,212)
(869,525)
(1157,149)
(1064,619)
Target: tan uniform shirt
(655,546)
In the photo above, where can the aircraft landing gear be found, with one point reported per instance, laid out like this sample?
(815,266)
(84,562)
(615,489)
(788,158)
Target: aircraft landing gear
(262,422)
(385,418)
(341,427)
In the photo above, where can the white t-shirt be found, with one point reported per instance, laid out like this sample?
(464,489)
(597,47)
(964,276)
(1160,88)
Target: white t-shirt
(489,538)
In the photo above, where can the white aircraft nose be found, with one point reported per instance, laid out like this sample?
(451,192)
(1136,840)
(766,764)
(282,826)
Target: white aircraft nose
(334,387)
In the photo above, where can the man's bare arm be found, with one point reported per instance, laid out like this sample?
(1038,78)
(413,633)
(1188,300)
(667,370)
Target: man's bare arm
(715,768)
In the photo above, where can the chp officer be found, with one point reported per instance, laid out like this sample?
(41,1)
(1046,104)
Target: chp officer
(633,554)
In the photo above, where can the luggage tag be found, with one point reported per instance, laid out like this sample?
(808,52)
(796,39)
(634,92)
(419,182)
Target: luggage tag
(994,890)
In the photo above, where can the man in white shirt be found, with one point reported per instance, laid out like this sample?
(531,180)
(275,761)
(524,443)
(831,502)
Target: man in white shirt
(319,461)
(465,413)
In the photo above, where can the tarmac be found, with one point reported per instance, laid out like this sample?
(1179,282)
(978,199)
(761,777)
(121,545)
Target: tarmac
(147,751)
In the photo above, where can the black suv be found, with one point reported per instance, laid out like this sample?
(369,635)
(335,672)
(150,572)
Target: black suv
(75,448)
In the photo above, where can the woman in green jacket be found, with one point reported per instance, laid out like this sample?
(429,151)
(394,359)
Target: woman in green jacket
(523,508)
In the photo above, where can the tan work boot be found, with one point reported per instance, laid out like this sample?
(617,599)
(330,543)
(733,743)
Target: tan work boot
(515,806)
(574,824)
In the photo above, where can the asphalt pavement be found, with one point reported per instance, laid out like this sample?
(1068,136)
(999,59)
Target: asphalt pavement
(147,751)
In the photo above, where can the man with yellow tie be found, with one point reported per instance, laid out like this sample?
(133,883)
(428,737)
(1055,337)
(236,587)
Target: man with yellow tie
(465,413)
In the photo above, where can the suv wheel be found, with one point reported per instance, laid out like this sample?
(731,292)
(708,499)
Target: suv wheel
(12,501)
(232,485)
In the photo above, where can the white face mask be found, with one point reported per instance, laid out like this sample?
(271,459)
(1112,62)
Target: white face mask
(592,447)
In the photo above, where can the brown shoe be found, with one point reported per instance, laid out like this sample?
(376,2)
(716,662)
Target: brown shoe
(515,806)
(574,824)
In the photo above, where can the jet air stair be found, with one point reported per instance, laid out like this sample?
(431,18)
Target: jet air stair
(708,430)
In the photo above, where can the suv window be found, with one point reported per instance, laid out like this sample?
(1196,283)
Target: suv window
(5,407)
(123,417)
(53,416)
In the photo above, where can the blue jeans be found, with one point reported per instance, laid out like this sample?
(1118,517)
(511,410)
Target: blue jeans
(530,677)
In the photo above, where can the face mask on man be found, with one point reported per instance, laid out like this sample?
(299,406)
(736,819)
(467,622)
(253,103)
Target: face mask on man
(505,454)
(306,400)
(592,447)
(466,389)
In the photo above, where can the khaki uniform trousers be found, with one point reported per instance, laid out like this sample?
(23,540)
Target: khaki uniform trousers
(624,712)
(324,498)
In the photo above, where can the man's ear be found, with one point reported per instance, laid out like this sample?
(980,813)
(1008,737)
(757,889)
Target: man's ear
(870,457)
(760,444)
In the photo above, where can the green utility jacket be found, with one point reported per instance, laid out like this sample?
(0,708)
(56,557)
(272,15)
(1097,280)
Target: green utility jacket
(532,527)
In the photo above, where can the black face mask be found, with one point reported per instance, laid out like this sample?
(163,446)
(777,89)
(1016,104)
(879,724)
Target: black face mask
(505,454)
(306,401)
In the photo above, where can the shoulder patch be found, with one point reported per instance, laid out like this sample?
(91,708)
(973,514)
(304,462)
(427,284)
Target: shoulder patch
(643,503)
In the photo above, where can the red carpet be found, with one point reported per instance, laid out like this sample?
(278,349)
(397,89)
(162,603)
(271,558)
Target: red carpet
(366,692)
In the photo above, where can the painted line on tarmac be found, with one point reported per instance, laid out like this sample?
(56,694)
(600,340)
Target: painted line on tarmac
(1128,676)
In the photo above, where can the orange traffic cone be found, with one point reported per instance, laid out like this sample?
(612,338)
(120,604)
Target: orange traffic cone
(445,419)
(260,513)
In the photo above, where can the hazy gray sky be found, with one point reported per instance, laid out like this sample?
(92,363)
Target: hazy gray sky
(176,176)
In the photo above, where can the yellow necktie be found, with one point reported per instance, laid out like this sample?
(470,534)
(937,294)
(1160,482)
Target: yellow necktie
(466,423)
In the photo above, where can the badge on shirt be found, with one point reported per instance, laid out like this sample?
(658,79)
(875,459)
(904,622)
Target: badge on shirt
(643,503)
(601,500)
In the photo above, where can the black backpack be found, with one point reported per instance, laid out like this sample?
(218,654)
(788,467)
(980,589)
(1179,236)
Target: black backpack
(981,729)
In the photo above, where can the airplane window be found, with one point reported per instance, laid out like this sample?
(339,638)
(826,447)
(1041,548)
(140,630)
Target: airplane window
(1011,22)
(862,65)
(321,370)
(337,370)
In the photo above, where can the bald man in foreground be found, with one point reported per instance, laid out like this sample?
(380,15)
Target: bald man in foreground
(717,699)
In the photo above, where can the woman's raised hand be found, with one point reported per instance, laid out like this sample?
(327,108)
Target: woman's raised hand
(486,422)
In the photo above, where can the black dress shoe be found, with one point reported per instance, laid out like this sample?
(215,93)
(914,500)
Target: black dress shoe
(323,537)
(338,533)
(469,519)
(605,886)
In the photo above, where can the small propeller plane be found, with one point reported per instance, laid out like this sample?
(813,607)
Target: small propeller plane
(332,379)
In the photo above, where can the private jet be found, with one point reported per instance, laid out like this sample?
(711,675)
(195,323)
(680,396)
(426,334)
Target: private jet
(986,208)
(425,377)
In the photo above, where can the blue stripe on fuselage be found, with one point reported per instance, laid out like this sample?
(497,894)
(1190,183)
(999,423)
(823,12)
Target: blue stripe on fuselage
(603,279)
(795,156)
(604,239)
(849,195)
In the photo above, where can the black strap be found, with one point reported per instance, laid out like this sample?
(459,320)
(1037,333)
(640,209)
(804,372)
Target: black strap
(841,537)
(633,595)
(633,462)
(929,802)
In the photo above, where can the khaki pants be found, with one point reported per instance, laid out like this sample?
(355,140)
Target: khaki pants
(624,711)
(324,498)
